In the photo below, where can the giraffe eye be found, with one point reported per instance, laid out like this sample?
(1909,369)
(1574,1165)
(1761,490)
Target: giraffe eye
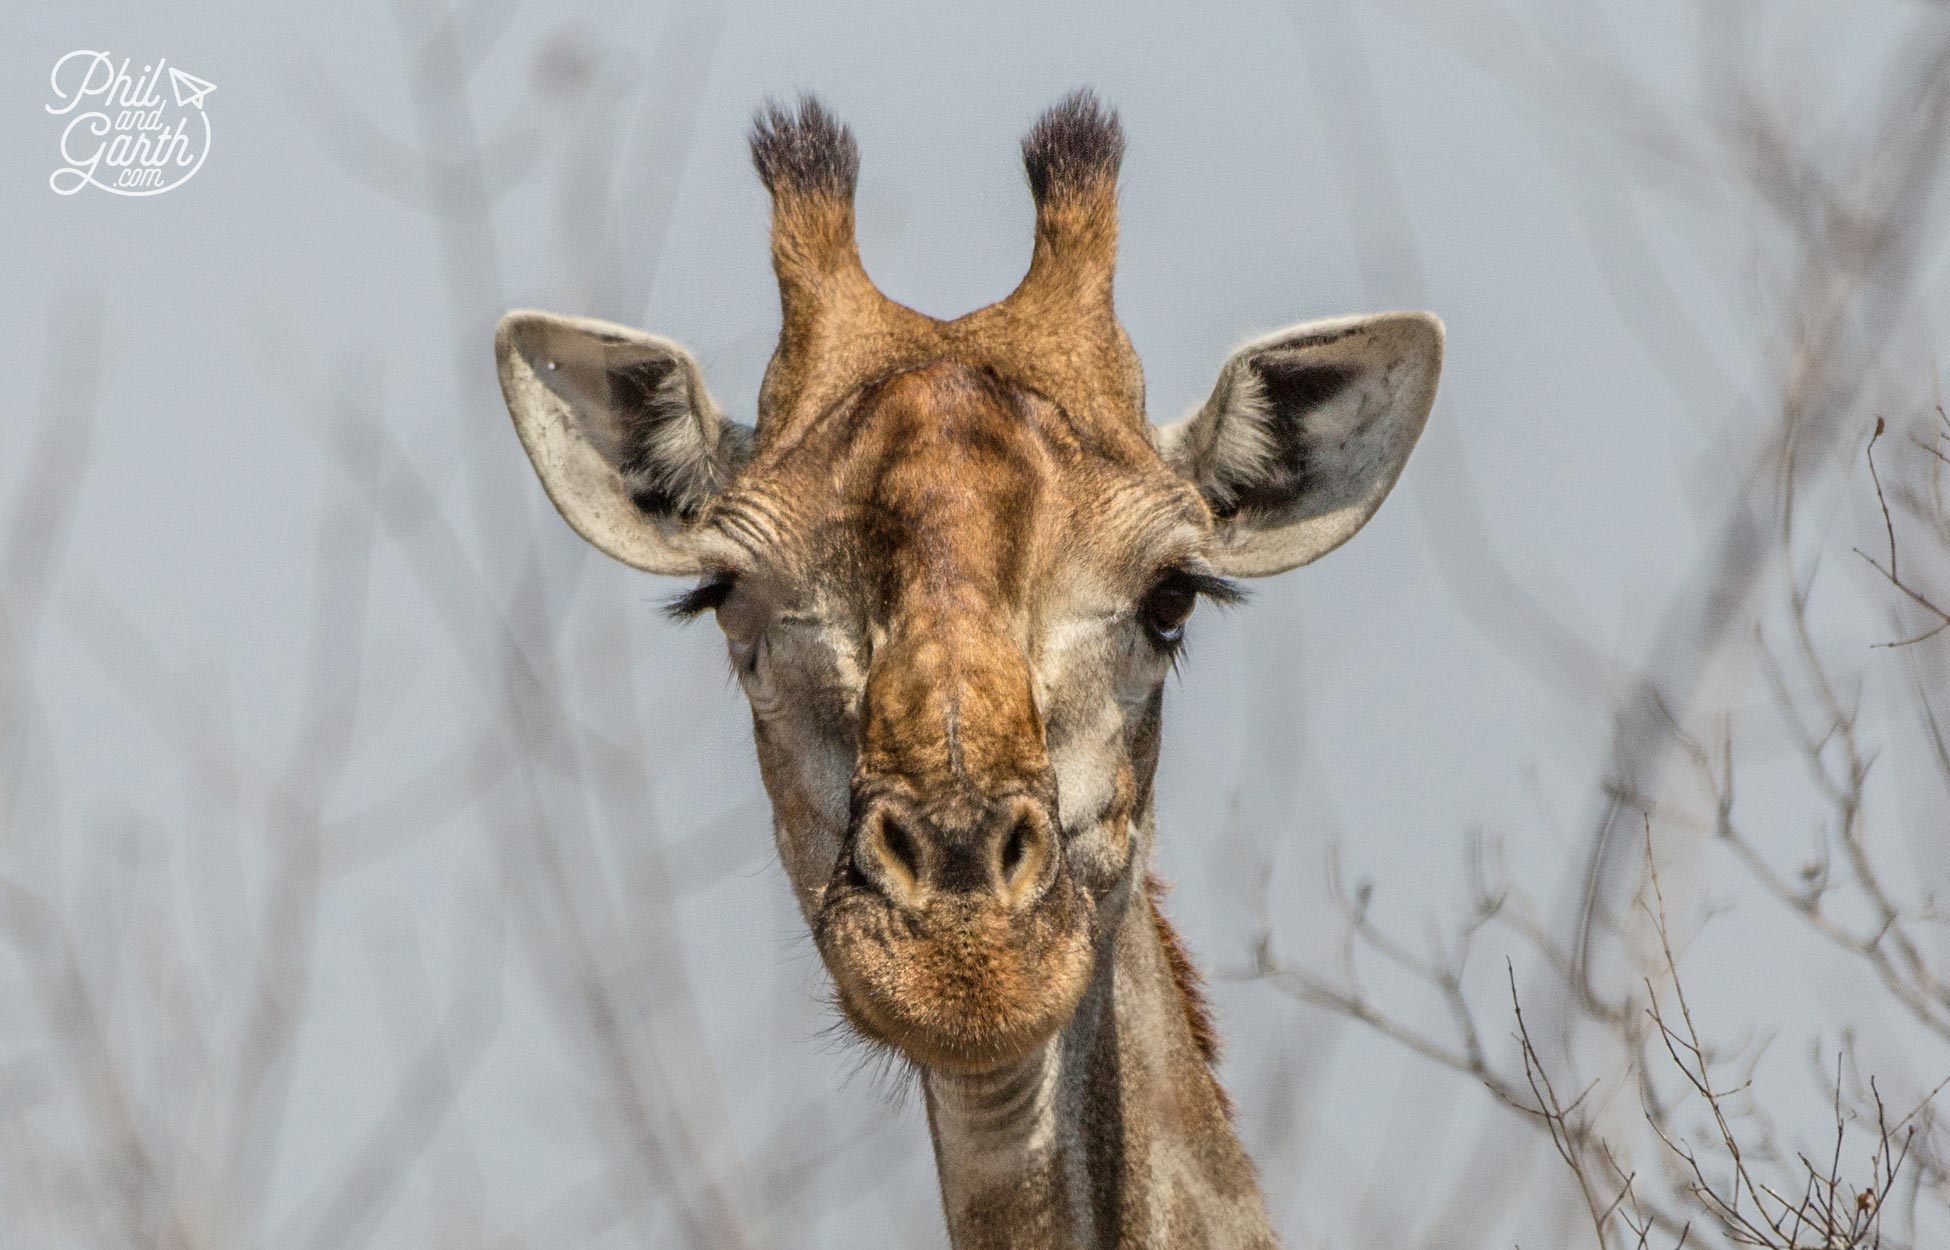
(709,594)
(1166,608)
(1168,604)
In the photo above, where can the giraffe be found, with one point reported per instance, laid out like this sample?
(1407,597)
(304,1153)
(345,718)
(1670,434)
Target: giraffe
(953,563)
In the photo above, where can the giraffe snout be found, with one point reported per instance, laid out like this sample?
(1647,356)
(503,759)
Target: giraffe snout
(954,927)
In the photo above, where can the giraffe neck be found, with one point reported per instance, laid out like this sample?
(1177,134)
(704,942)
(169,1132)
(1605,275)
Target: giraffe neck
(1115,1134)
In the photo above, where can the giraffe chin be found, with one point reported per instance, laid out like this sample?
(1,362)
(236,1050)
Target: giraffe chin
(959,985)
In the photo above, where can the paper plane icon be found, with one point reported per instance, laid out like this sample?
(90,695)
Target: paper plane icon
(189,89)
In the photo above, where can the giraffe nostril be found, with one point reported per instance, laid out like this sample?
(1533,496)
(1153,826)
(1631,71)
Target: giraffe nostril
(900,847)
(1016,847)
(890,857)
(1024,858)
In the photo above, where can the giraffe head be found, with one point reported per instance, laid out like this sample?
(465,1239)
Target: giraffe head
(953,562)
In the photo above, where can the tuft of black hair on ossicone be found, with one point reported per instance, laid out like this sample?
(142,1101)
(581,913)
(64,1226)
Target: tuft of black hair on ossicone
(804,150)
(1077,143)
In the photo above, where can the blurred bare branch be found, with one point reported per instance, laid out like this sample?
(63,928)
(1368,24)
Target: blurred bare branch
(1844,227)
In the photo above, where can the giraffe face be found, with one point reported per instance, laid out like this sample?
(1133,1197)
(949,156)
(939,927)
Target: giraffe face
(952,614)
(953,564)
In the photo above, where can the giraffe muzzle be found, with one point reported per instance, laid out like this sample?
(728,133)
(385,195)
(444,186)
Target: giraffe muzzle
(956,932)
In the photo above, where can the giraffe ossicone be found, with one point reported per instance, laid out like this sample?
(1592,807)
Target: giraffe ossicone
(953,562)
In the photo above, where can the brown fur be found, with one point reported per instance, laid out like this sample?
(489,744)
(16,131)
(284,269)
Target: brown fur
(961,488)
(1184,973)
(1055,334)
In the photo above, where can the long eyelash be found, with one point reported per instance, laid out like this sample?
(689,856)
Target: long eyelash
(701,599)
(1220,590)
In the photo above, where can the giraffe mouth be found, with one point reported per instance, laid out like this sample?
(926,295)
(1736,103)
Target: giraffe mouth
(961,984)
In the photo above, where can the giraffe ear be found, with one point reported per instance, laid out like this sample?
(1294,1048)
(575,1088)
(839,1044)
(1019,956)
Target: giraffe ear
(621,431)
(1305,434)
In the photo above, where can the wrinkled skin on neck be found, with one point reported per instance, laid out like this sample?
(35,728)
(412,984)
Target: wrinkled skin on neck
(1116,1134)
